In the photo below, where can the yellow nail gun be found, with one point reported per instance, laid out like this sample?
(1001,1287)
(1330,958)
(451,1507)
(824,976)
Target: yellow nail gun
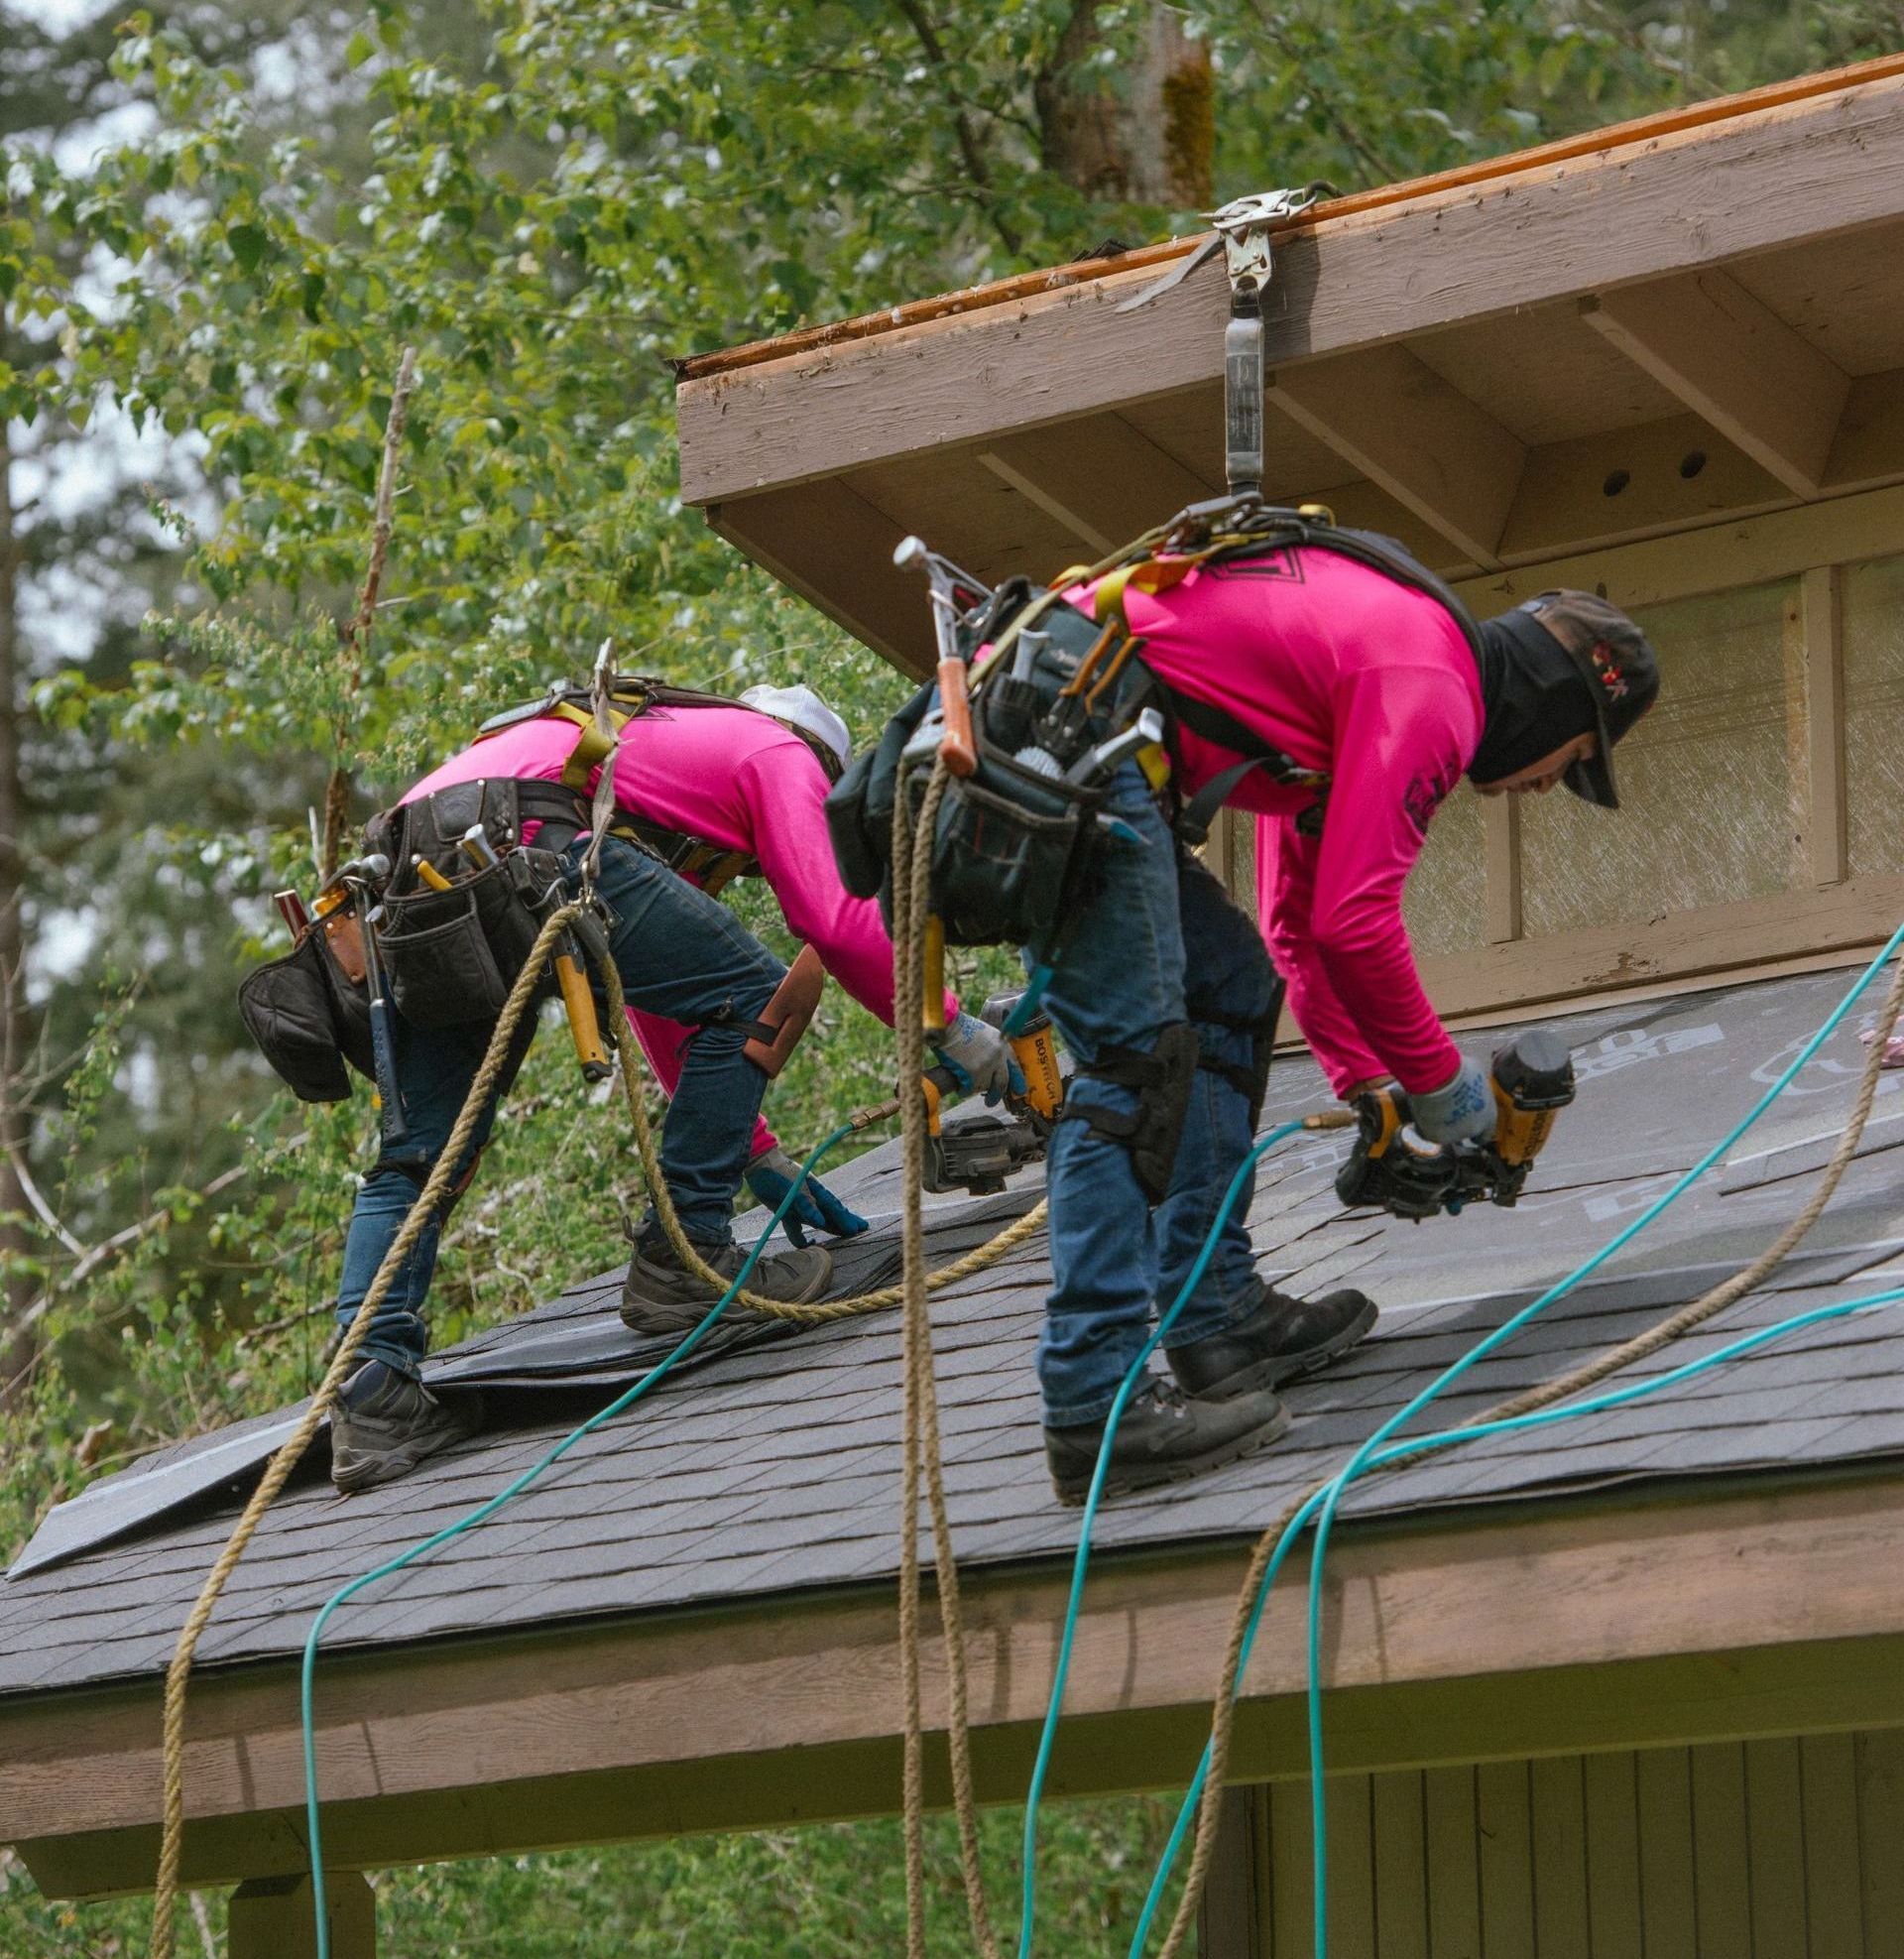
(977,1153)
(1395,1168)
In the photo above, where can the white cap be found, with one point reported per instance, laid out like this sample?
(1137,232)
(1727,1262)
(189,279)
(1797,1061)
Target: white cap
(800,707)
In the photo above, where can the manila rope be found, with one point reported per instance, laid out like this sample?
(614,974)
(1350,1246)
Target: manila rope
(289,1452)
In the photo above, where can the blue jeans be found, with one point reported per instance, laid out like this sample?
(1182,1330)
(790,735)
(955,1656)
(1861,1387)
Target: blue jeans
(1159,941)
(681,955)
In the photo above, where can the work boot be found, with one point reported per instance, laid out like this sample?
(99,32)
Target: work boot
(1277,1340)
(1165,1436)
(658,1297)
(385,1423)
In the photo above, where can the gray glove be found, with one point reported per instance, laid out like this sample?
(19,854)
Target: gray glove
(1460,1110)
(981,1057)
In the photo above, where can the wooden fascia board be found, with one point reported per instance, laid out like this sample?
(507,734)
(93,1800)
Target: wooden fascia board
(702,1715)
(1695,198)
(1733,361)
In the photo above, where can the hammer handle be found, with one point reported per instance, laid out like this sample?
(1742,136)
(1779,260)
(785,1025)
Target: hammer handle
(957,748)
(578,1003)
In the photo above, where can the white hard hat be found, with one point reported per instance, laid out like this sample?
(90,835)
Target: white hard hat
(800,707)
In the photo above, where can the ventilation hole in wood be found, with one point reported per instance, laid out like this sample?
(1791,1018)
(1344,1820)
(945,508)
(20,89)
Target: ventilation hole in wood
(1616,482)
(1690,463)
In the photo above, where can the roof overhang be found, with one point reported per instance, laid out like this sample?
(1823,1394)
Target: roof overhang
(1659,328)
(1547,1629)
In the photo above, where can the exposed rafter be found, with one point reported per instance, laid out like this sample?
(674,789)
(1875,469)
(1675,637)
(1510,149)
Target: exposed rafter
(1733,361)
(1387,413)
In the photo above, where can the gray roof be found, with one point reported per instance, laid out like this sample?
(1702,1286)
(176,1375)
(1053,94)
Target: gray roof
(776,1470)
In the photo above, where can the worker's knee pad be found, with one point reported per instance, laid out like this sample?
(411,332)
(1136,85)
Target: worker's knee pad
(785,1018)
(1162,1079)
(1250,1079)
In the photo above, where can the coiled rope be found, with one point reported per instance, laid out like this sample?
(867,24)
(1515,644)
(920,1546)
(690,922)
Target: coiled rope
(288,1455)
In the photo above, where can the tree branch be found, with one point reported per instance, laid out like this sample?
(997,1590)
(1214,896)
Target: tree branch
(969,148)
(124,1240)
(356,636)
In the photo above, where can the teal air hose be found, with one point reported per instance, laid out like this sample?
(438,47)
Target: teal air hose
(1126,1389)
(485,1509)
(1327,1500)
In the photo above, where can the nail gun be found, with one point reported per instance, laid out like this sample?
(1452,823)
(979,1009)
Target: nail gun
(1396,1169)
(977,1153)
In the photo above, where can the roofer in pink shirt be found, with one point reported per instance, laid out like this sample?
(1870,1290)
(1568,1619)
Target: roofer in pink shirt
(704,789)
(1377,682)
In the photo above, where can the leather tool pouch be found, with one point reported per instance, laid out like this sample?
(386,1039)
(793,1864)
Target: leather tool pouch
(452,956)
(309,1019)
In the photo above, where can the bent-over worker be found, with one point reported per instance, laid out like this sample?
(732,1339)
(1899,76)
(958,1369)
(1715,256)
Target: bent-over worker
(1164,993)
(704,789)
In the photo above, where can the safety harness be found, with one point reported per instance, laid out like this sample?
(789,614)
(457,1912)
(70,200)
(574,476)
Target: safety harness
(1221,530)
(713,865)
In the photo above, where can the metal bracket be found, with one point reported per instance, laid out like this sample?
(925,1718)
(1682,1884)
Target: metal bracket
(1241,232)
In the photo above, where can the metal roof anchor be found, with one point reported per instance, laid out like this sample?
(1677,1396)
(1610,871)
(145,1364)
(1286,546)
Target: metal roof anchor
(1241,231)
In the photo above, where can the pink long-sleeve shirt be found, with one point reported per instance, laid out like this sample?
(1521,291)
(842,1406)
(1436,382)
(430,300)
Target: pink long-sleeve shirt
(740,779)
(1349,670)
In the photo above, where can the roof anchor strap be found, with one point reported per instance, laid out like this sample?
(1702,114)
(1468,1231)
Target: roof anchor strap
(1241,231)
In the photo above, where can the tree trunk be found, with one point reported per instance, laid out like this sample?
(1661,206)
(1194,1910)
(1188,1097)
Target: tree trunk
(16,1338)
(1141,134)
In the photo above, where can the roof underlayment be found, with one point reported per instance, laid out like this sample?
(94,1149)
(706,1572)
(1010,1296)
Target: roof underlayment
(776,1470)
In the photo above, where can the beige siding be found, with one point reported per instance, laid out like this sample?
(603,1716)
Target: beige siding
(1781,1849)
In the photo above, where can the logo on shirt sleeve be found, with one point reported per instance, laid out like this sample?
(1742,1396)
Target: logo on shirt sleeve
(1425,795)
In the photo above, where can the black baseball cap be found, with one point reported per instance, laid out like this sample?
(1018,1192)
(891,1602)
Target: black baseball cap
(1621,672)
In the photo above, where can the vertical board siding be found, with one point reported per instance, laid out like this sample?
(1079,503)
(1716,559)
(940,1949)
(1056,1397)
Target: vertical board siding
(1612,1856)
(1775,1840)
(1827,1789)
(1401,1867)
(1507,1860)
(1879,1762)
(1790,1848)
(1669,1917)
(1721,1875)
(1454,1864)
(1560,1857)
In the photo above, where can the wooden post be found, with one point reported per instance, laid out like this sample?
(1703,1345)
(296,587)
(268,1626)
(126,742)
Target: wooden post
(1501,815)
(1228,854)
(1823,654)
(1231,1918)
(272,1917)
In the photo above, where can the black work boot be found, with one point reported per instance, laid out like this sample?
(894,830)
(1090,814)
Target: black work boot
(1277,1340)
(385,1423)
(1165,1436)
(658,1297)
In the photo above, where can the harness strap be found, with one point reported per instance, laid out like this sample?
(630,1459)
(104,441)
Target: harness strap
(564,814)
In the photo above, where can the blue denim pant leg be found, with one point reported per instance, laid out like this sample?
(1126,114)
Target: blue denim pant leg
(434,1069)
(684,955)
(1230,983)
(679,953)
(1118,982)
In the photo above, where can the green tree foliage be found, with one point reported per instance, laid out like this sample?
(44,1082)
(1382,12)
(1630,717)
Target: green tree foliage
(549,202)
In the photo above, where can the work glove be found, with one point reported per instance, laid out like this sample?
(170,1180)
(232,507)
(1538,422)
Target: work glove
(980,1058)
(771,1176)
(1460,1110)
